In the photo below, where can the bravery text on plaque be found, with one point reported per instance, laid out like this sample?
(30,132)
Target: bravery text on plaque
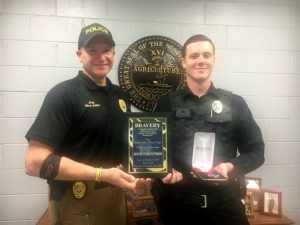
(148,143)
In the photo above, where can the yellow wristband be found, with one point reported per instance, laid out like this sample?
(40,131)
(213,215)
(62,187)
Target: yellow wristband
(98,174)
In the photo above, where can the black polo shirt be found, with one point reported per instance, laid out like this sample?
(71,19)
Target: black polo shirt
(238,137)
(83,121)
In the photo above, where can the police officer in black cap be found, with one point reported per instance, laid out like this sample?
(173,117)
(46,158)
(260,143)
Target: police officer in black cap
(238,146)
(77,141)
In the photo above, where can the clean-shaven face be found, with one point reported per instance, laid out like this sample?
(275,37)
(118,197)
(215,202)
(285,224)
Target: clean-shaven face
(199,61)
(97,59)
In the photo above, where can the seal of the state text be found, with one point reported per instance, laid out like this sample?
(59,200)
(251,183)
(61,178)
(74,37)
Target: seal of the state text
(149,68)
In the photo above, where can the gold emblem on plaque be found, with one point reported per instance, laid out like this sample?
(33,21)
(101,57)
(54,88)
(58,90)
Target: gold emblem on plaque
(79,190)
(150,68)
(122,105)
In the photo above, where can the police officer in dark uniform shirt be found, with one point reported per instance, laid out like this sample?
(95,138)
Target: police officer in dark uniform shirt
(77,141)
(238,149)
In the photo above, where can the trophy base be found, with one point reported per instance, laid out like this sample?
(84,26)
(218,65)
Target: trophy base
(212,175)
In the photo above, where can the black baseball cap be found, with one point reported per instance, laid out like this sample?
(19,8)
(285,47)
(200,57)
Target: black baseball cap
(93,30)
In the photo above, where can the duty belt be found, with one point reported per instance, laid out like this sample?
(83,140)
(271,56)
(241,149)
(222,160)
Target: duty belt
(79,188)
(203,200)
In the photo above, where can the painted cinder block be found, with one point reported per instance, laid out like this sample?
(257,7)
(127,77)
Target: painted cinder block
(270,107)
(253,61)
(57,28)
(285,39)
(18,104)
(13,156)
(157,11)
(235,13)
(13,130)
(295,108)
(42,79)
(29,7)
(15,27)
(296,62)
(285,130)
(17,207)
(238,37)
(16,182)
(31,53)
(82,8)
(66,55)
(282,153)
(14,78)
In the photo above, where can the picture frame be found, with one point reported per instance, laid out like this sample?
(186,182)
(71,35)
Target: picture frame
(271,202)
(143,206)
(253,183)
(255,198)
(129,196)
(141,190)
(248,203)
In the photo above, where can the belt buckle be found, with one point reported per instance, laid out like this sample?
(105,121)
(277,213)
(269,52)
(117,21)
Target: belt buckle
(204,203)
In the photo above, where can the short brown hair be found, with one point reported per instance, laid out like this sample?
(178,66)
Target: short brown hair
(196,38)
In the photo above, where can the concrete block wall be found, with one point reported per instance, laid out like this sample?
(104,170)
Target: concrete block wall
(257,54)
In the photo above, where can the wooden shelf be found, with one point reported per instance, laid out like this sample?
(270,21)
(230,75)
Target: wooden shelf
(260,219)
(257,219)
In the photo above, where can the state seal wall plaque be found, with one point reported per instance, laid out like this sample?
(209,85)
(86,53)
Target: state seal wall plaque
(150,68)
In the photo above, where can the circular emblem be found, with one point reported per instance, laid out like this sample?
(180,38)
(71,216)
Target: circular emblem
(79,190)
(217,106)
(150,68)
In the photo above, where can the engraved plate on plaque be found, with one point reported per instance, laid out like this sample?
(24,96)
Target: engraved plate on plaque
(150,68)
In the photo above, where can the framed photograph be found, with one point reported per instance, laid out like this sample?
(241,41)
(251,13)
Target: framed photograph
(271,202)
(141,190)
(253,183)
(143,206)
(248,203)
(255,198)
(129,194)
